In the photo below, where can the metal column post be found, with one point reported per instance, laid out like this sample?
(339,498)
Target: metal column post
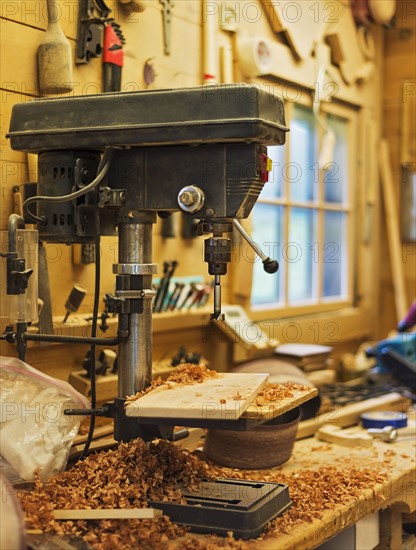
(135,353)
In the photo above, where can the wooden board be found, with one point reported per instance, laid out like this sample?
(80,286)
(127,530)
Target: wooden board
(276,408)
(98,445)
(393,230)
(212,399)
(110,513)
(350,414)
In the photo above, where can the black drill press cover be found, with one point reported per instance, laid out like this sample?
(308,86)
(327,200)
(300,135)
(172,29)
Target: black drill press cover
(207,114)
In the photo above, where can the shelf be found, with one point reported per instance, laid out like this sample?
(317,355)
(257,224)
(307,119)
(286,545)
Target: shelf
(171,321)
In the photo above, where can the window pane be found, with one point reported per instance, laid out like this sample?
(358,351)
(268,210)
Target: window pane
(335,262)
(336,176)
(299,254)
(274,187)
(267,231)
(301,170)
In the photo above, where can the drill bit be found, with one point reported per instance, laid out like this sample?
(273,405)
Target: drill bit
(217,298)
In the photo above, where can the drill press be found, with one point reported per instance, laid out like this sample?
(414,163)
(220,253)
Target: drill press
(198,150)
(107,165)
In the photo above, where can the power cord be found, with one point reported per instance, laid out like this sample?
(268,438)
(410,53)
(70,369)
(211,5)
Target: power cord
(94,334)
(101,172)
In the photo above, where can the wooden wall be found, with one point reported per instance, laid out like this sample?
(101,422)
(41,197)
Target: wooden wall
(399,128)
(22,27)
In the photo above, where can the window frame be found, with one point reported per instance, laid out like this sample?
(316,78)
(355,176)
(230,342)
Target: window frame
(320,304)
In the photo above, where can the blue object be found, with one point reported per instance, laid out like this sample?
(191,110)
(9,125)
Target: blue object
(397,356)
(381,419)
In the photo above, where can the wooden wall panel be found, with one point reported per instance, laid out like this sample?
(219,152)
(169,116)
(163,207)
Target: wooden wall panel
(22,29)
(399,85)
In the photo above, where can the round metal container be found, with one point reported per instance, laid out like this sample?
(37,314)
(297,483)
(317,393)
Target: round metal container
(266,446)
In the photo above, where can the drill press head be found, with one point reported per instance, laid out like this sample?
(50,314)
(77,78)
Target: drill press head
(199,150)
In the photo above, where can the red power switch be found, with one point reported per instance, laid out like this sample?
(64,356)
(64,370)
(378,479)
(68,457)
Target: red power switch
(265,166)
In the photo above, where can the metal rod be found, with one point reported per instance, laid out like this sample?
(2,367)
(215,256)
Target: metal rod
(249,240)
(28,336)
(15,222)
(135,352)
(269,265)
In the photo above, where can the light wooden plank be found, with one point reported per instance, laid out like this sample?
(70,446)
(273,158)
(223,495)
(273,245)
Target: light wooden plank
(393,230)
(111,513)
(98,432)
(350,414)
(277,408)
(99,445)
(224,397)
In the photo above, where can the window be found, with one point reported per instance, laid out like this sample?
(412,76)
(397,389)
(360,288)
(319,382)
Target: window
(303,217)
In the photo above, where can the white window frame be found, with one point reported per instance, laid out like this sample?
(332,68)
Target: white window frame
(320,304)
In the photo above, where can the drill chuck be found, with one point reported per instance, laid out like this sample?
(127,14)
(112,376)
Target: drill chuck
(217,255)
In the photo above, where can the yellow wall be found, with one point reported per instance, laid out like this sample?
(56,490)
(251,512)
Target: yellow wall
(22,27)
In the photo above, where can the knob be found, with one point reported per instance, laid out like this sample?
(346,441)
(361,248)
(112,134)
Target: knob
(191,198)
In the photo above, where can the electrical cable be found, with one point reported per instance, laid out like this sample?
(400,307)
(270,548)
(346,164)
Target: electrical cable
(101,172)
(94,334)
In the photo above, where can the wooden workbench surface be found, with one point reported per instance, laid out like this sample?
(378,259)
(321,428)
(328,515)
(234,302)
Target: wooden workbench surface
(400,486)
(396,462)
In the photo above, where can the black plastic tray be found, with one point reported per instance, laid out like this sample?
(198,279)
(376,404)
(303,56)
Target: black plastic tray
(243,507)
(207,114)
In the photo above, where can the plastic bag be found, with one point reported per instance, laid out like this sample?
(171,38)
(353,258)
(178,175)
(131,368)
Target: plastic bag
(35,435)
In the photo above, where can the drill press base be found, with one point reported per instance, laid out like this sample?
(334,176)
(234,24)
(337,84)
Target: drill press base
(243,507)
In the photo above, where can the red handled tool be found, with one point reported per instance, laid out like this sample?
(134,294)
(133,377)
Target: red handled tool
(113,57)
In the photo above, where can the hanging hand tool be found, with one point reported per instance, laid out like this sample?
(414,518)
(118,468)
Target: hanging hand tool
(167,6)
(168,271)
(174,297)
(112,56)
(189,296)
(160,290)
(54,56)
(89,33)
(197,296)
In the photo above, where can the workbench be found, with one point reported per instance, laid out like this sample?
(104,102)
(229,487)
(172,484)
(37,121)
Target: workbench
(390,484)
(397,492)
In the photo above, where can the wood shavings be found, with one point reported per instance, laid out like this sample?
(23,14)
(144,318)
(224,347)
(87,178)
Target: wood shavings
(312,491)
(277,392)
(125,477)
(237,396)
(186,374)
(390,453)
(213,542)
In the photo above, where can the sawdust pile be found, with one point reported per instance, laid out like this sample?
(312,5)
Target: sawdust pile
(312,492)
(125,477)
